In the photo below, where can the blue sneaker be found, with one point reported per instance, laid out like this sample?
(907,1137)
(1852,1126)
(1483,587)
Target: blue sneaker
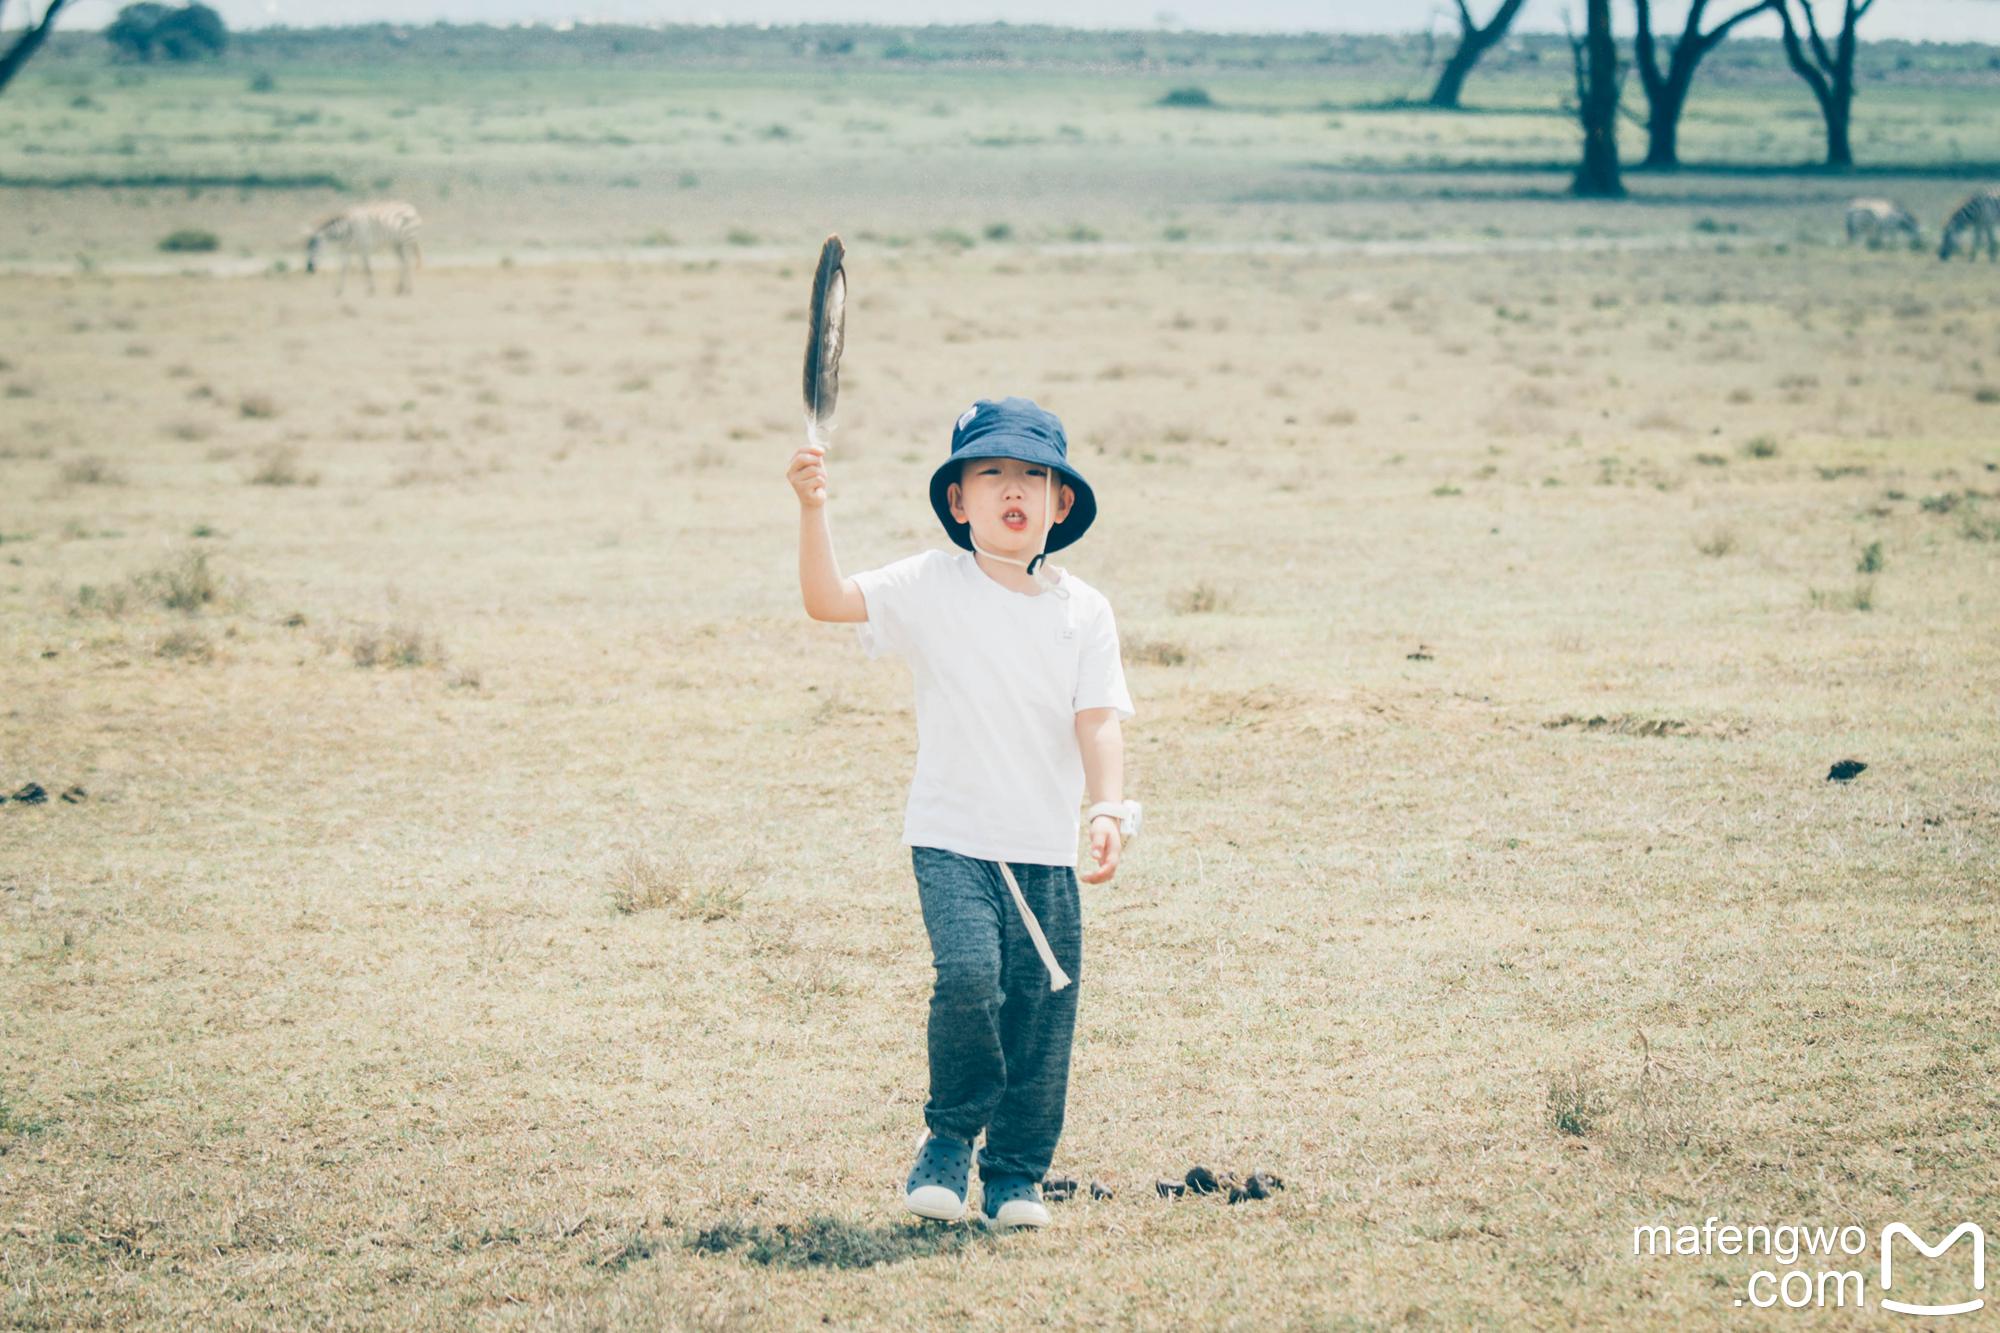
(1013,1201)
(940,1179)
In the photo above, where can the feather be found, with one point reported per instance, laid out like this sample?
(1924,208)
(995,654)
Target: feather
(826,329)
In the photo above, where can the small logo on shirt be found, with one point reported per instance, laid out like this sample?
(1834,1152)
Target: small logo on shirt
(1067,634)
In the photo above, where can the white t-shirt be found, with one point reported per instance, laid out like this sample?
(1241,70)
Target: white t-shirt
(1000,678)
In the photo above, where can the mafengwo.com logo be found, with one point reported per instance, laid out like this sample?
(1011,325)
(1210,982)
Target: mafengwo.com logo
(1809,1266)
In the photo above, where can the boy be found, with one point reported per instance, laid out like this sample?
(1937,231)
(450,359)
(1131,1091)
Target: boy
(1019,693)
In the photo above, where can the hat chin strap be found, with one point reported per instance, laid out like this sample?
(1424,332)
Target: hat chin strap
(1035,565)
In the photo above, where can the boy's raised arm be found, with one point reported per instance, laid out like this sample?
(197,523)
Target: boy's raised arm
(826,594)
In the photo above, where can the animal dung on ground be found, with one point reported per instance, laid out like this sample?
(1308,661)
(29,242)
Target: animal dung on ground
(1257,1185)
(1203,1181)
(1845,770)
(1058,1189)
(1169,1189)
(1100,1191)
(32,794)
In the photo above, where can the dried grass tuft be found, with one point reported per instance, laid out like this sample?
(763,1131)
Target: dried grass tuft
(682,884)
(187,645)
(91,470)
(398,645)
(281,468)
(1201,598)
(1577,1100)
(1155,652)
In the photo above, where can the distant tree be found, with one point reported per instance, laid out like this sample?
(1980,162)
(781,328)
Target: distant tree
(188,33)
(1830,74)
(1596,57)
(1473,42)
(1666,92)
(31,39)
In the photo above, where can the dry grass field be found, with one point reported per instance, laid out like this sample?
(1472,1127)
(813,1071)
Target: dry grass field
(488,881)
(483,908)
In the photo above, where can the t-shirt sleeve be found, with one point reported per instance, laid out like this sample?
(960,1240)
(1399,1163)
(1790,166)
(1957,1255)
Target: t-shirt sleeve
(1100,676)
(891,594)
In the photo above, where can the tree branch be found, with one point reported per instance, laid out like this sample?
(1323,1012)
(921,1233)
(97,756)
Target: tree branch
(1643,53)
(1797,55)
(1721,29)
(31,38)
(1502,17)
(1819,50)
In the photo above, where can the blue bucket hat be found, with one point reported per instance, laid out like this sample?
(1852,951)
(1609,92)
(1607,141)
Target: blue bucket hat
(1012,428)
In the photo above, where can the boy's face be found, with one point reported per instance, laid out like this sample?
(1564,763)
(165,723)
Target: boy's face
(1005,499)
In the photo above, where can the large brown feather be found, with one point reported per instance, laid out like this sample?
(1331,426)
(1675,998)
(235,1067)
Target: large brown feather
(826,330)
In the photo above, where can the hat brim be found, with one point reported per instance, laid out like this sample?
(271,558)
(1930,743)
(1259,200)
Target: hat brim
(1082,510)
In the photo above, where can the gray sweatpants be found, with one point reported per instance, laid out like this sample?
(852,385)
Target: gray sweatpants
(999,1037)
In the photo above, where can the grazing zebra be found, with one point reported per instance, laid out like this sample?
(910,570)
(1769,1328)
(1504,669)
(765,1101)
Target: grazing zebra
(378,226)
(1876,220)
(1981,212)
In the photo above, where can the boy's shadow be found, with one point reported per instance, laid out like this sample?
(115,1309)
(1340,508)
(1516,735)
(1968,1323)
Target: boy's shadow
(830,1242)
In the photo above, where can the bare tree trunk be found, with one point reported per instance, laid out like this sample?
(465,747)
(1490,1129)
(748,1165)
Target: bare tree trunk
(1830,74)
(29,42)
(1667,90)
(1473,42)
(1596,59)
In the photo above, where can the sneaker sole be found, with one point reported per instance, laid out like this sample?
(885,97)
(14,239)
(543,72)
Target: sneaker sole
(935,1202)
(1018,1214)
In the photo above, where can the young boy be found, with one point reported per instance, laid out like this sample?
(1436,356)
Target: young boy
(1019,693)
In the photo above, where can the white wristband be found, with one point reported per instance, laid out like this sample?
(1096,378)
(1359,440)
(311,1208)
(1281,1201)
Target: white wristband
(1127,813)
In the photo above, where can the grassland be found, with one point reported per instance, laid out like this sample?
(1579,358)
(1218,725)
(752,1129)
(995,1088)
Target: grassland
(504,154)
(485,908)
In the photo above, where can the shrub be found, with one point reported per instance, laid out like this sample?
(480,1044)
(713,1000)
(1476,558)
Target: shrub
(1761,446)
(190,240)
(741,236)
(1191,95)
(186,585)
(1872,560)
(999,231)
(952,238)
(257,407)
(189,33)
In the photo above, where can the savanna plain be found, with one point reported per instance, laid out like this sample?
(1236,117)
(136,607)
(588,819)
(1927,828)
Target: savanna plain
(481,902)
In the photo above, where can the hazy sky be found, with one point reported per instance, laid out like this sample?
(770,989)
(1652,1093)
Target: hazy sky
(1924,20)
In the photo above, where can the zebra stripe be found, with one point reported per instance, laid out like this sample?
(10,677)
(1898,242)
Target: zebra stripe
(1981,213)
(1876,220)
(383,225)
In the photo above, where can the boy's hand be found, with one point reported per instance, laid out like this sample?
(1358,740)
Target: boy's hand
(1104,847)
(807,474)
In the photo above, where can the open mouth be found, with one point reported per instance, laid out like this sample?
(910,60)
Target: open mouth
(1015,519)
